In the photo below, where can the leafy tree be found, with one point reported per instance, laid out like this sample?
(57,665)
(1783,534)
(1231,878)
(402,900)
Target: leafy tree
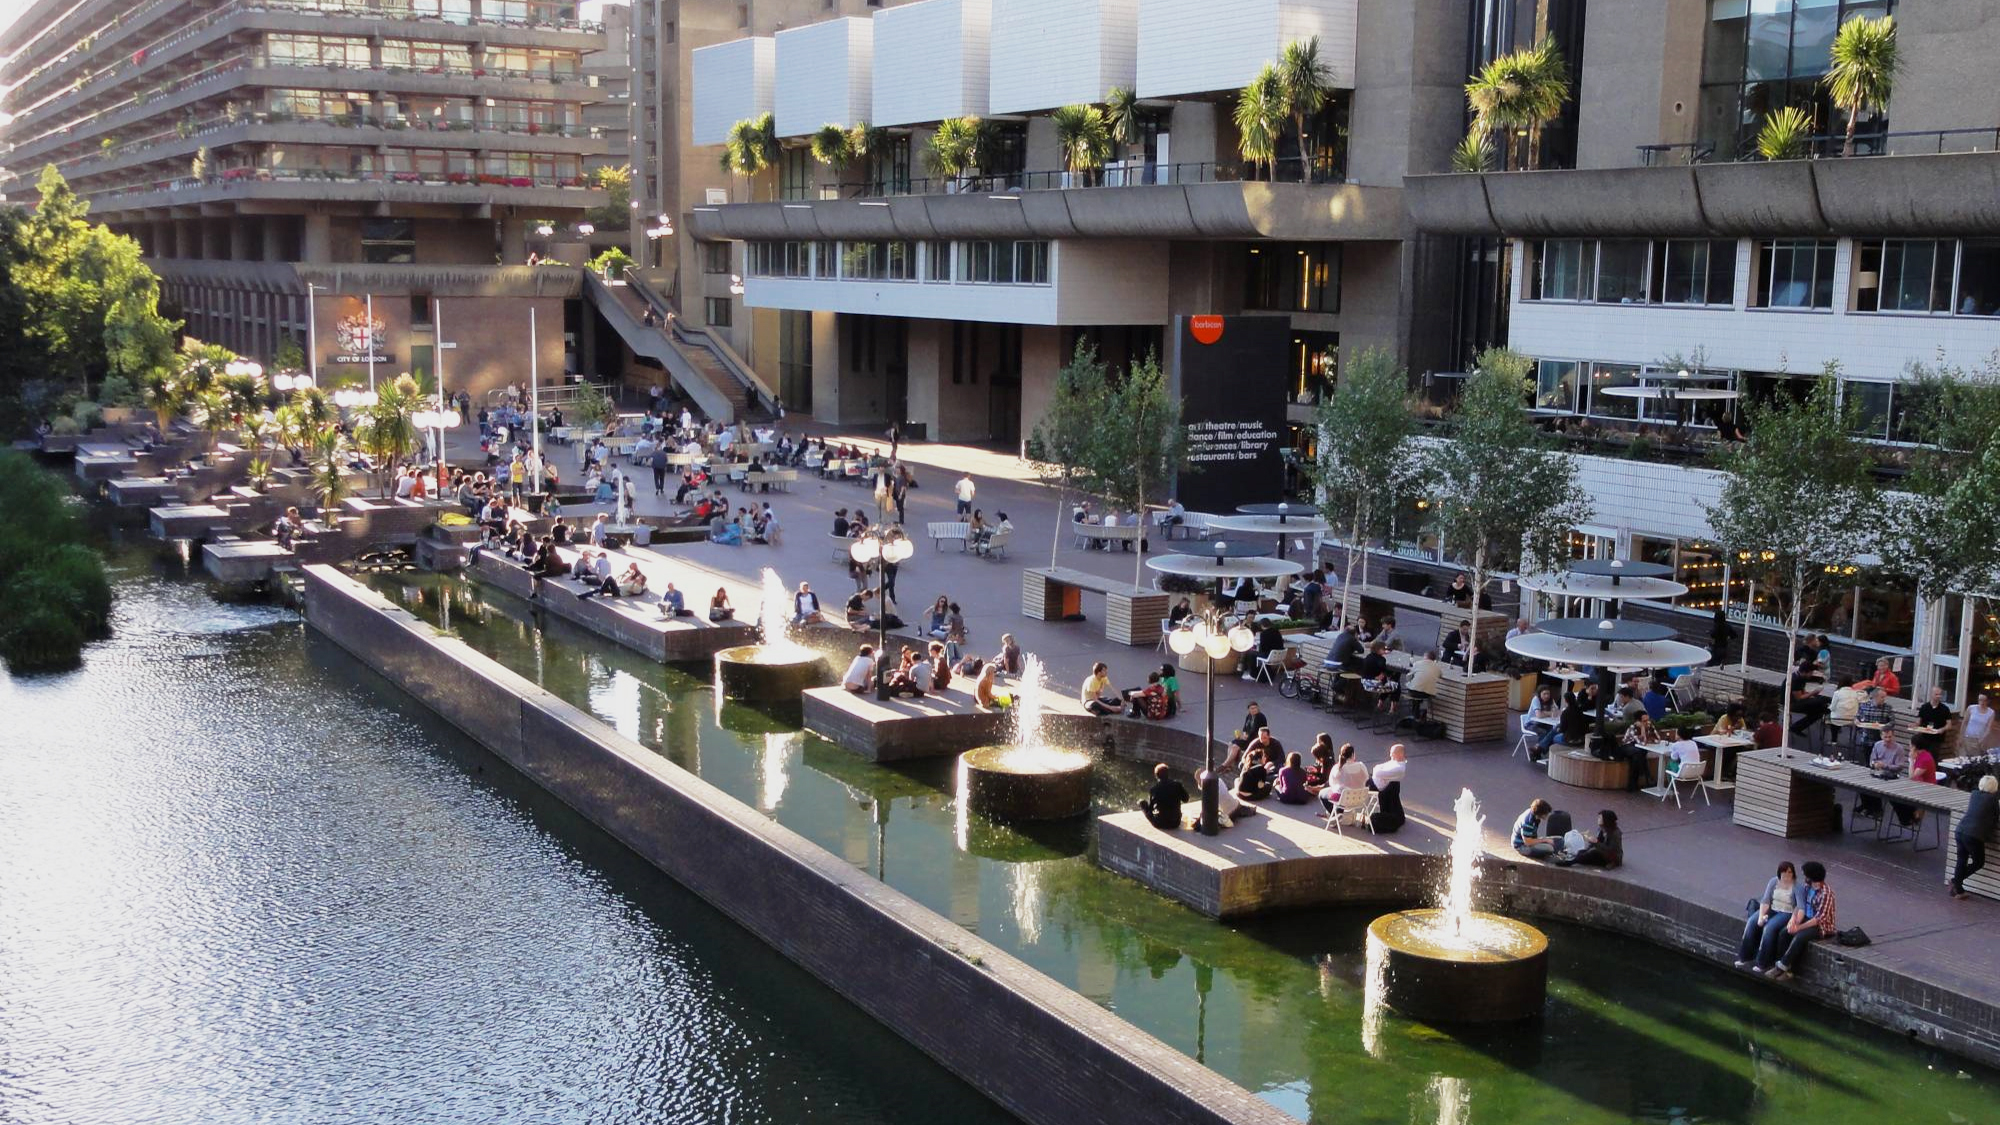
(1083,137)
(1864,69)
(1798,502)
(1365,464)
(214,413)
(289,356)
(1260,114)
(1306,83)
(1139,444)
(1059,448)
(1522,89)
(1947,544)
(751,146)
(612,263)
(385,431)
(615,182)
(1500,496)
(57,594)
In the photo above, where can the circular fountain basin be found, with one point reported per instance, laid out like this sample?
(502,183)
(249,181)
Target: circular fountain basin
(1012,783)
(769,673)
(1497,971)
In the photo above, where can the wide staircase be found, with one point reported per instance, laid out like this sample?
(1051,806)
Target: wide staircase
(702,367)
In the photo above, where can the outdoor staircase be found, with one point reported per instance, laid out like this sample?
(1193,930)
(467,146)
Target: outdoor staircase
(699,366)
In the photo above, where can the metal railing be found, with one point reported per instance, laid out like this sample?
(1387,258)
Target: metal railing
(260,174)
(1828,146)
(1325,170)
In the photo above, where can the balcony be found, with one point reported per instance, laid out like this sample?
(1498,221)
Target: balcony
(1916,195)
(266,184)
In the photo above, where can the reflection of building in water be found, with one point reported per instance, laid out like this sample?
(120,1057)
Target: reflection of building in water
(774,767)
(1031,898)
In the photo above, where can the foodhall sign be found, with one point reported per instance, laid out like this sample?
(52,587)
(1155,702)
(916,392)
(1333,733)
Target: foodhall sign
(359,338)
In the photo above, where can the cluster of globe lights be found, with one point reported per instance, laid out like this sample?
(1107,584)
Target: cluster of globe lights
(351,396)
(1212,639)
(435,419)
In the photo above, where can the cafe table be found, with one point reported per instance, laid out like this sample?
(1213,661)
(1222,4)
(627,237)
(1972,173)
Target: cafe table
(1722,744)
(1659,751)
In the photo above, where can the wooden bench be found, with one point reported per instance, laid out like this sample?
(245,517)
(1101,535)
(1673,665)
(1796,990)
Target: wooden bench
(1574,767)
(1784,794)
(1131,613)
(946,530)
(1490,632)
(995,546)
(783,477)
(1116,533)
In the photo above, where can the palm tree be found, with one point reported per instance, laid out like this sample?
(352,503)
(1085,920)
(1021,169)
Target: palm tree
(165,395)
(1523,89)
(953,148)
(329,480)
(1473,154)
(1260,113)
(1305,81)
(385,430)
(833,146)
(1083,137)
(1121,111)
(751,147)
(1864,69)
(1784,134)
(213,412)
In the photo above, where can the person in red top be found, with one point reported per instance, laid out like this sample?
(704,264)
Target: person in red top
(1769,734)
(1886,677)
(1815,919)
(1152,700)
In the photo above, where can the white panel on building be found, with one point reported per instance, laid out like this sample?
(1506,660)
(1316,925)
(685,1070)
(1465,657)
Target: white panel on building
(1189,47)
(1048,53)
(825,75)
(732,81)
(931,61)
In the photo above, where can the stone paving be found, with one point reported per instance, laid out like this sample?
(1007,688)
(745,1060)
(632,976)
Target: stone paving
(1692,850)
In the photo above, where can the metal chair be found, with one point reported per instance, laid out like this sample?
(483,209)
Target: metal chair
(1360,802)
(1691,773)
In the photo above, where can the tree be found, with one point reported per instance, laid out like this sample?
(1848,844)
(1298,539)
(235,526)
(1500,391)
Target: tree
(57,594)
(1260,114)
(751,146)
(1083,136)
(1864,69)
(1305,82)
(1139,443)
(1500,496)
(1798,503)
(1945,541)
(1785,134)
(1522,89)
(953,148)
(616,183)
(289,356)
(1122,113)
(1060,445)
(213,413)
(833,146)
(1474,153)
(1365,464)
(384,430)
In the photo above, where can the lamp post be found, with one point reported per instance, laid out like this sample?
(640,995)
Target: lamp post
(434,423)
(1215,642)
(877,550)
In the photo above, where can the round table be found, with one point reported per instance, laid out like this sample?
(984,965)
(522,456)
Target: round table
(1272,519)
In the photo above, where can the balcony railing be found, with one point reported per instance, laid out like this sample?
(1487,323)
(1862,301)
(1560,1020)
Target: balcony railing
(1324,171)
(250,175)
(1834,145)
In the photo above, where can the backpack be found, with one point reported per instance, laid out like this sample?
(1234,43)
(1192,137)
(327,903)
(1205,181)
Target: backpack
(1559,824)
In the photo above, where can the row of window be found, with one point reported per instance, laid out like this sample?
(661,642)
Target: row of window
(425,162)
(420,108)
(1293,277)
(973,262)
(1937,277)
(284,49)
(1886,411)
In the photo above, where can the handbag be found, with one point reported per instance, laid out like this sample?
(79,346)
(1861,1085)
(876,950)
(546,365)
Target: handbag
(1853,936)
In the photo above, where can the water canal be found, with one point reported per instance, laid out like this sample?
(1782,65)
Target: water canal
(243,880)
(1631,1033)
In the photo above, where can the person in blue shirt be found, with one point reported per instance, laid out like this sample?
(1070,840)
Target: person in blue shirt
(1656,700)
(1527,838)
(672,604)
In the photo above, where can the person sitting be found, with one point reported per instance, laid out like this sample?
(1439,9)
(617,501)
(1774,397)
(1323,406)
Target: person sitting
(1814,919)
(982,684)
(1656,700)
(1885,679)
(1376,678)
(1625,706)
(1387,782)
(1097,695)
(631,581)
(1527,838)
(719,608)
(805,605)
(857,610)
(1573,725)
(1151,701)
(1290,784)
(940,667)
(1682,752)
(1765,924)
(1637,739)
(672,603)
(1605,847)
(1254,784)
(1731,722)
(1349,774)
(1768,733)
(726,530)
(860,675)
(912,677)
(1457,643)
(1009,659)
(600,580)
(1542,721)
(1163,802)
(840,524)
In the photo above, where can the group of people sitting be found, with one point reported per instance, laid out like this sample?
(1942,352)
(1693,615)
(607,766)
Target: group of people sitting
(1545,832)
(1158,698)
(930,669)
(1337,780)
(594,570)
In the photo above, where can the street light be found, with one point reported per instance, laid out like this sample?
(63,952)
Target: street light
(296,381)
(736,285)
(437,421)
(877,550)
(1215,642)
(586,229)
(544,230)
(241,366)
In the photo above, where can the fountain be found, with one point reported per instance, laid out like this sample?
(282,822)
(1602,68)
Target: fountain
(777,669)
(1454,964)
(1028,780)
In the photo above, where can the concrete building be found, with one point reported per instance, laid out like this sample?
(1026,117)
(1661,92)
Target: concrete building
(882,291)
(281,160)
(1669,247)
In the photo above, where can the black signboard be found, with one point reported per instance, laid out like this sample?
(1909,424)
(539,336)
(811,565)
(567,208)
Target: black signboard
(1230,374)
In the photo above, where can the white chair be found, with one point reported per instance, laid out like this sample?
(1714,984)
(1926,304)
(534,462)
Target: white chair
(1360,802)
(1682,691)
(1166,627)
(1691,773)
(1531,736)
(1270,667)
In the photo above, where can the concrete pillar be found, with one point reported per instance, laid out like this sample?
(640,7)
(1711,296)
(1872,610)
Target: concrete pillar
(513,241)
(214,240)
(1041,357)
(826,366)
(245,234)
(930,368)
(316,242)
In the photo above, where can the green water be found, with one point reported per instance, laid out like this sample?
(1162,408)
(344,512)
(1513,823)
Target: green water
(1630,1032)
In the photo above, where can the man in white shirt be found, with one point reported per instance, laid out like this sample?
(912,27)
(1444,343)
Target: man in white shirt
(1519,628)
(805,605)
(965,490)
(861,672)
(405,485)
(1391,769)
(1424,675)
(687,420)
(1682,751)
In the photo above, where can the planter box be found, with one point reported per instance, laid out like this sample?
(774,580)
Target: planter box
(1521,692)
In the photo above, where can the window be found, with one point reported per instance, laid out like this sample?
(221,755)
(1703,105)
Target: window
(717,311)
(1564,270)
(1555,385)
(1621,272)
(798,259)
(795,174)
(1031,263)
(937,265)
(1694,272)
(388,241)
(889,166)
(1293,277)
(1604,376)
(1979,277)
(1904,275)
(1794,275)
(420,310)
(759,259)
(670,31)
(715,257)
(1760,55)
(902,262)
(317,50)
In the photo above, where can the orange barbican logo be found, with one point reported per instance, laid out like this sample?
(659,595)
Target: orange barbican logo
(1206,329)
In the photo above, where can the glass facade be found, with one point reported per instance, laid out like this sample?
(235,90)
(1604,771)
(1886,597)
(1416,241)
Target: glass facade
(1762,55)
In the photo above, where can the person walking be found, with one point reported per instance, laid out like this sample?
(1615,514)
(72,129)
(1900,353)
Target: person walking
(899,491)
(965,491)
(1971,831)
(659,463)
